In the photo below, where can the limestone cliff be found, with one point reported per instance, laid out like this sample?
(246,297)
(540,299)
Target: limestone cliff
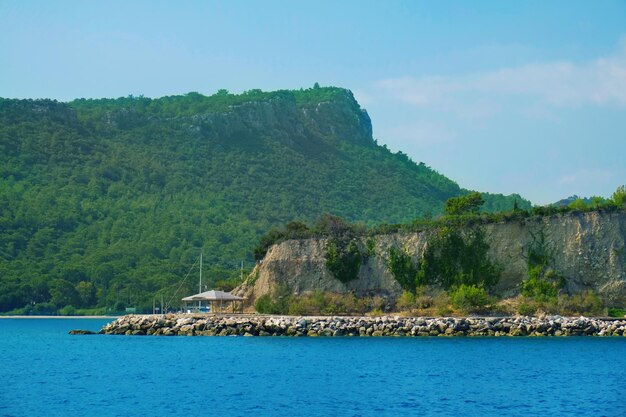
(589,250)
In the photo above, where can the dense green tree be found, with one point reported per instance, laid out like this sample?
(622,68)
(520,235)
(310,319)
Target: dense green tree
(619,196)
(578,204)
(86,294)
(63,293)
(465,204)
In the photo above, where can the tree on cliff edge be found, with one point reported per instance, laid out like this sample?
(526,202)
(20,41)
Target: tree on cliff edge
(619,196)
(465,204)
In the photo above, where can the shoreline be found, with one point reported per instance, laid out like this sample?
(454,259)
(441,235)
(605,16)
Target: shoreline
(60,317)
(258,325)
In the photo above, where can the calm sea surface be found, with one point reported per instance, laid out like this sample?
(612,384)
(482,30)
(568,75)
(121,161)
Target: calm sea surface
(45,371)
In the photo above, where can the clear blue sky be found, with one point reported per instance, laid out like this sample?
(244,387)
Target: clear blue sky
(500,96)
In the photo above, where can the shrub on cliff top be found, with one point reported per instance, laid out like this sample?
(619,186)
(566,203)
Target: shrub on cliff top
(465,204)
(292,230)
(619,196)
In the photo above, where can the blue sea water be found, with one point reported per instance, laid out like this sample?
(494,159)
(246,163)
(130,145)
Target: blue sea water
(45,371)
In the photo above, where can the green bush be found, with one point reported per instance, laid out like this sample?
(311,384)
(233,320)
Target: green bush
(371,247)
(68,311)
(616,312)
(22,311)
(92,311)
(619,196)
(292,230)
(343,259)
(441,303)
(578,205)
(119,306)
(301,306)
(226,284)
(277,303)
(264,304)
(43,309)
(331,225)
(457,257)
(465,204)
(310,304)
(321,303)
(39,309)
(544,282)
(527,307)
(586,303)
(424,300)
(402,269)
(539,289)
(406,301)
(470,298)
(376,312)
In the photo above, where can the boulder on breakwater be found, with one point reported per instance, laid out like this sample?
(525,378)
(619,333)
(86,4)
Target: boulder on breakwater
(81,332)
(220,325)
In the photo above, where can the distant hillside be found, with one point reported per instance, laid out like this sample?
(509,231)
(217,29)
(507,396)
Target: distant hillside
(106,202)
(571,199)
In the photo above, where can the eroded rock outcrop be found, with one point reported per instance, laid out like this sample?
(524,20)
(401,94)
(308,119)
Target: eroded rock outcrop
(588,250)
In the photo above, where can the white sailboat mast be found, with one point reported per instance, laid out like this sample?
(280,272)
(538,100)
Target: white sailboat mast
(200,283)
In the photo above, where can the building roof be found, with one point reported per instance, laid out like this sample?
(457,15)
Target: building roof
(213,296)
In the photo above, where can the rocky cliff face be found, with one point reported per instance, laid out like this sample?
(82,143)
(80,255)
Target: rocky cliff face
(300,127)
(589,250)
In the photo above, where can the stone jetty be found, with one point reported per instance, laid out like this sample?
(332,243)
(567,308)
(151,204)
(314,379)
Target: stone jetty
(258,325)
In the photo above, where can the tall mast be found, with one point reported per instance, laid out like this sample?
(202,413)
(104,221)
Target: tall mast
(200,284)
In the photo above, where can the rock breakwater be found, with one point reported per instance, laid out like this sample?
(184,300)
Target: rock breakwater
(217,325)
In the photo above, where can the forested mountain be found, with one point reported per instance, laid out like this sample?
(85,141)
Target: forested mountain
(107,202)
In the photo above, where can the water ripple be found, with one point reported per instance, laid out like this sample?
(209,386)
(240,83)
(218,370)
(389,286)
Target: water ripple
(75,375)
